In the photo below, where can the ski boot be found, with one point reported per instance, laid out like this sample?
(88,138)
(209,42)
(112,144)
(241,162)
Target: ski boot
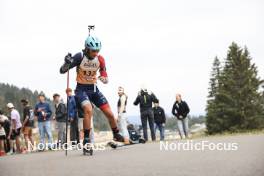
(87,147)
(118,137)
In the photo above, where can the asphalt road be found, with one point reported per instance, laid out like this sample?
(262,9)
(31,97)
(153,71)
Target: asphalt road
(146,159)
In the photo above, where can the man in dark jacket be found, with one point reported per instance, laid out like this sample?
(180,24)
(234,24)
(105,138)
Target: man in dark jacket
(159,119)
(180,110)
(145,100)
(60,116)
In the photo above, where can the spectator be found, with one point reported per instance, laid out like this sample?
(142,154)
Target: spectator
(180,110)
(16,125)
(5,122)
(159,119)
(72,112)
(122,120)
(43,112)
(2,139)
(145,99)
(28,123)
(61,117)
(80,123)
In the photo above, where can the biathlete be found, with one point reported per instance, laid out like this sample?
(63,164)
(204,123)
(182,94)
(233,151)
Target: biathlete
(87,63)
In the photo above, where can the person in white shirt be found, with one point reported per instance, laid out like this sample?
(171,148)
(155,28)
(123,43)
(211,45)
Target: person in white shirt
(15,127)
(122,120)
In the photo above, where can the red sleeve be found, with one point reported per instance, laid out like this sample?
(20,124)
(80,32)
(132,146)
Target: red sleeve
(102,69)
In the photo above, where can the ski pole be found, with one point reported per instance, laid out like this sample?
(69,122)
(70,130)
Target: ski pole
(68,80)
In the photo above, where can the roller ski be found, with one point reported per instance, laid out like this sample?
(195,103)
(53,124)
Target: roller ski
(117,138)
(115,145)
(135,138)
(87,147)
(119,142)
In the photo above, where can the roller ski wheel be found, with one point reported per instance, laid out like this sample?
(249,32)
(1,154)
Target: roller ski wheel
(88,151)
(112,145)
(87,147)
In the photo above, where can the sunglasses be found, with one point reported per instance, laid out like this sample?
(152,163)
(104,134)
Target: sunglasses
(95,51)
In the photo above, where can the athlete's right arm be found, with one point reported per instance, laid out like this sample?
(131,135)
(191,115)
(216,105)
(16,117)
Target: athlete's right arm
(70,62)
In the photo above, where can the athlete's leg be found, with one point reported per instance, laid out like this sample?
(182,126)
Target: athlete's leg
(87,118)
(86,106)
(109,115)
(113,122)
(100,101)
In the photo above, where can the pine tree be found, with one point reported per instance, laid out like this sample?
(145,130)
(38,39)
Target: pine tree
(212,122)
(236,103)
(214,78)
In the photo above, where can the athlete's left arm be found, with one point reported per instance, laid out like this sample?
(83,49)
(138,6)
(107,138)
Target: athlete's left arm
(103,74)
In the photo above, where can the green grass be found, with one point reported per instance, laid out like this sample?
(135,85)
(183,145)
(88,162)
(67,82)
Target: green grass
(203,134)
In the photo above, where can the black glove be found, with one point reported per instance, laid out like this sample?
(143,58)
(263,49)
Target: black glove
(68,58)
